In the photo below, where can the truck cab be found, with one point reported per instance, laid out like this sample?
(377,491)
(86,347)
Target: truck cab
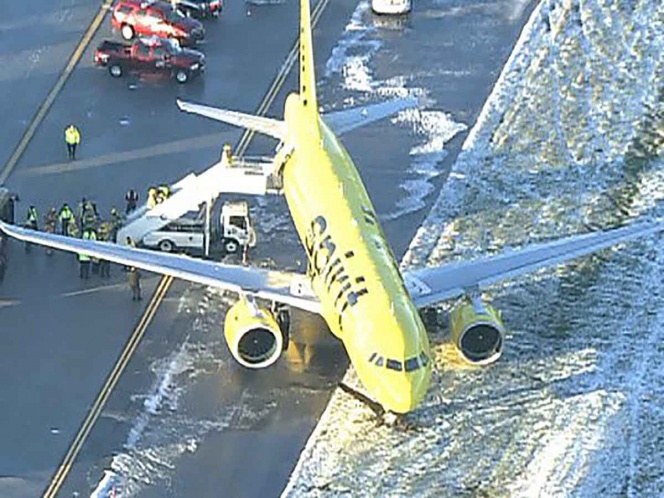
(231,231)
(150,55)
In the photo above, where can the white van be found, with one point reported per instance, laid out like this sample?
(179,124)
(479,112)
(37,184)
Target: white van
(393,7)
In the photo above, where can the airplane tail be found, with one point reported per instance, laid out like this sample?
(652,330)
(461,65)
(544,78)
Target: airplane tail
(307,74)
(268,126)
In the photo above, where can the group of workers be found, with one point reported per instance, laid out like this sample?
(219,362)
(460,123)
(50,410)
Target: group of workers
(86,224)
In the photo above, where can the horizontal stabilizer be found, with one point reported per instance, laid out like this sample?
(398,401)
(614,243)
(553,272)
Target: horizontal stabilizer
(349,119)
(267,126)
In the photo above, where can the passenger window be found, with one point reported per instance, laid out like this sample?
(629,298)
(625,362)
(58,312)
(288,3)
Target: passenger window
(159,52)
(371,358)
(412,364)
(394,365)
(380,361)
(424,359)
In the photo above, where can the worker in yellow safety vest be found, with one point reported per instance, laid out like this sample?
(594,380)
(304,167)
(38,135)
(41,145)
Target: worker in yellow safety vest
(65,216)
(227,154)
(163,193)
(72,139)
(152,197)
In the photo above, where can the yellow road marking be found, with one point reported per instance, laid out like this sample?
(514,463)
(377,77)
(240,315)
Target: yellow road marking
(94,289)
(109,385)
(50,98)
(183,145)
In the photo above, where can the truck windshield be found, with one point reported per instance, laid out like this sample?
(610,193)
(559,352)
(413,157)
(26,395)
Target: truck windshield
(175,15)
(172,46)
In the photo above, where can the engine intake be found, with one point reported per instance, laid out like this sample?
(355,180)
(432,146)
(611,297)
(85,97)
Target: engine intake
(253,335)
(477,332)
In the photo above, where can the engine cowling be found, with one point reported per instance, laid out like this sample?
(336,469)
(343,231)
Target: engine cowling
(253,335)
(478,332)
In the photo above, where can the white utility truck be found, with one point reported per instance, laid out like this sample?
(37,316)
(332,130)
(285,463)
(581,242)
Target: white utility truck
(232,231)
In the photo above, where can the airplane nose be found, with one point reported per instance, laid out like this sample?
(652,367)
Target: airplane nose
(407,392)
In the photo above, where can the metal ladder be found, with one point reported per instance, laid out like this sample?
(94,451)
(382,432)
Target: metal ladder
(250,175)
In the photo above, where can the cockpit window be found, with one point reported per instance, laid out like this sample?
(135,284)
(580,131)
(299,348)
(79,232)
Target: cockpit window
(394,365)
(412,364)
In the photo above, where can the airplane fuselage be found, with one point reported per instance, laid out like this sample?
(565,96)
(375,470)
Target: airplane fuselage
(353,271)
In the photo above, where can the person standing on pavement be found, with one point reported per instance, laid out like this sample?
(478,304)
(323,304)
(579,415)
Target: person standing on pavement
(132,200)
(65,216)
(50,221)
(83,266)
(32,218)
(134,278)
(91,234)
(31,221)
(3,257)
(104,265)
(72,139)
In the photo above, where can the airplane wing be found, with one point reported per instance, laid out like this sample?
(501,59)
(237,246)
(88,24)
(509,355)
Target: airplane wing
(434,284)
(349,119)
(283,287)
(267,126)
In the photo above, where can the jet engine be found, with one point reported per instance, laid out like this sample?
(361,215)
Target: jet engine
(477,331)
(253,334)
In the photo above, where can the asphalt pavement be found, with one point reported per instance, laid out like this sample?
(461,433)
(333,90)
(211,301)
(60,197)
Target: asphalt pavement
(221,431)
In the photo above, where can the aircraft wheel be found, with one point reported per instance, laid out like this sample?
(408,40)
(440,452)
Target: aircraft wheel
(283,320)
(127,32)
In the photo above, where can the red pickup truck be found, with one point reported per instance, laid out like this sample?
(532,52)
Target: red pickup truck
(147,18)
(154,55)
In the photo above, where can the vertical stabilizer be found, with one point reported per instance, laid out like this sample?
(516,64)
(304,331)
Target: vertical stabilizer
(307,75)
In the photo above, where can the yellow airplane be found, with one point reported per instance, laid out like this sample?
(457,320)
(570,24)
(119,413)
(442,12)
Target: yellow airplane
(353,280)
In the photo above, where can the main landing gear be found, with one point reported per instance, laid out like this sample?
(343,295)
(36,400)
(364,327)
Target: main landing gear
(282,315)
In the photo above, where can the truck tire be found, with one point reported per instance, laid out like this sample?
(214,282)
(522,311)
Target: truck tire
(115,70)
(166,246)
(181,76)
(127,32)
(231,246)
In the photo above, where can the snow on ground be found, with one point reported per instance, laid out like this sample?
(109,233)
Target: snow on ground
(162,430)
(350,67)
(571,138)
